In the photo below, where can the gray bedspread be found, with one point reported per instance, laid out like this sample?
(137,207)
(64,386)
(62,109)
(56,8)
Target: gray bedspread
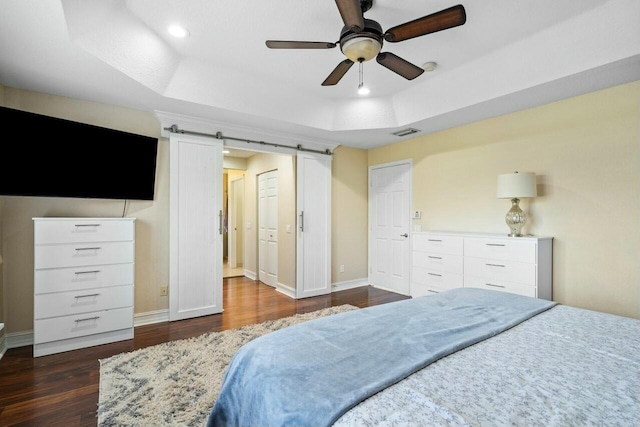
(564,367)
(310,374)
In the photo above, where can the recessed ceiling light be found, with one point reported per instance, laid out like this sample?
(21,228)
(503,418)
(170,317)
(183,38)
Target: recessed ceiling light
(178,31)
(429,66)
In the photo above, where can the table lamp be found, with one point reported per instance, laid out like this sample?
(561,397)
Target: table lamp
(516,186)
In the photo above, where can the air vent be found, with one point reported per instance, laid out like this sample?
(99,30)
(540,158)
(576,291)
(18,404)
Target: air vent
(405,132)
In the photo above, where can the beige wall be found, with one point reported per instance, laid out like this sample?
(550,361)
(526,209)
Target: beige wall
(152,217)
(349,215)
(1,274)
(286,167)
(585,151)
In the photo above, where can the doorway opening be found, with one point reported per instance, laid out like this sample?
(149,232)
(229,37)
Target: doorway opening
(233,231)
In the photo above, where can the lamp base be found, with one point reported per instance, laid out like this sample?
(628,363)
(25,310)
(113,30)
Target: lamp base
(515,218)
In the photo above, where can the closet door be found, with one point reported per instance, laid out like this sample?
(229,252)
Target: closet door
(195,275)
(313,275)
(268,228)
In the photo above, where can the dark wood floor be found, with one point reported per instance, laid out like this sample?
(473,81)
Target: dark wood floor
(62,389)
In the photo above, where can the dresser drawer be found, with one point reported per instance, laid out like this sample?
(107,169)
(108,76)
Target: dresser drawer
(435,243)
(503,249)
(82,254)
(79,278)
(438,262)
(82,230)
(507,271)
(60,328)
(433,284)
(439,280)
(496,285)
(76,302)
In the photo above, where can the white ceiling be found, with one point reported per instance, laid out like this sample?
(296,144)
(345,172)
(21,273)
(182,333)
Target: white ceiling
(509,55)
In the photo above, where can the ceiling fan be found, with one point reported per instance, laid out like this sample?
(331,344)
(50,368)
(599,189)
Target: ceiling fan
(361,39)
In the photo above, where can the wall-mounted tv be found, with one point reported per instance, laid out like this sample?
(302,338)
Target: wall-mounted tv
(51,157)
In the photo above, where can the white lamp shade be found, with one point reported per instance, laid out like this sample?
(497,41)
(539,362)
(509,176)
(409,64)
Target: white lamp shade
(517,185)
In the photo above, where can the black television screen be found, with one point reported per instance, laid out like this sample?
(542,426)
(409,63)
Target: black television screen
(51,157)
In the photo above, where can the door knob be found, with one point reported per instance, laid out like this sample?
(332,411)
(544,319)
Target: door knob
(404,235)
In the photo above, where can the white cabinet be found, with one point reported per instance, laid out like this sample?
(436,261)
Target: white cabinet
(520,265)
(83,282)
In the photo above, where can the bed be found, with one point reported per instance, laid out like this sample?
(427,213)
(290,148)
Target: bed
(465,357)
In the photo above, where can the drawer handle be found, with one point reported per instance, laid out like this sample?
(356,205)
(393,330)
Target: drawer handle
(495,286)
(86,296)
(87,319)
(496,265)
(434,274)
(88,249)
(495,244)
(435,257)
(87,225)
(432,291)
(87,272)
(434,240)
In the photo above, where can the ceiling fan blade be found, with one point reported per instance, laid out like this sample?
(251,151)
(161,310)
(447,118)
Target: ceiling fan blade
(337,73)
(290,44)
(398,65)
(351,12)
(443,20)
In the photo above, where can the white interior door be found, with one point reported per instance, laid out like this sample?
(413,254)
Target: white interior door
(268,228)
(313,272)
(195,265)
(390,223)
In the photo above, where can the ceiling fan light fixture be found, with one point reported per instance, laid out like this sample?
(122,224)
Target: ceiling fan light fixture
(361,47)
(363,90)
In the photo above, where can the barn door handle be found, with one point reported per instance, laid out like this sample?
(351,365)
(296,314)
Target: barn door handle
(301,220)
(220,222)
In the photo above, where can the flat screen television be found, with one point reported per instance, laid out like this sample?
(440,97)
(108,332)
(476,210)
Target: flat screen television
(51,157)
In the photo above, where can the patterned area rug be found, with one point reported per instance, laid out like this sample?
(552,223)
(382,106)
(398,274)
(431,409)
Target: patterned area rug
(176,383)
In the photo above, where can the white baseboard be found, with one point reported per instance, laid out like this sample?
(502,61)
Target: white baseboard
(3,346)
(349,284)
(150,317)
(19,339)
(22,339)
(284,289)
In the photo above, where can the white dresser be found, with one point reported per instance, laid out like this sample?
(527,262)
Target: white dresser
(83,282)
(521,265)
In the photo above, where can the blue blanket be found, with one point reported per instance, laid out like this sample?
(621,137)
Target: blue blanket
(312,373)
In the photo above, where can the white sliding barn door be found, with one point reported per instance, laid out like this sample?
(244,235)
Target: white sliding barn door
(389,226)
(195,277)
(268,228)
(313,275)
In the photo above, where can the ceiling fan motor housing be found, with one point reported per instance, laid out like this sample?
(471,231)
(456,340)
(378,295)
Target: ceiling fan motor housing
(362,45)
